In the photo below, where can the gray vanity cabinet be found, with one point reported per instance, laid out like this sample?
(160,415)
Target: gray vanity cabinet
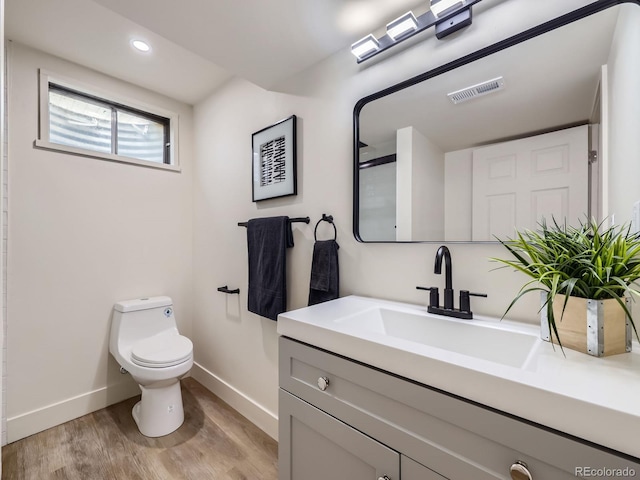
(341,419)
(318,446)
(412,470)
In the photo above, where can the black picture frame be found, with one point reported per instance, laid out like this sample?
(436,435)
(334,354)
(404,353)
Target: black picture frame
(274,157)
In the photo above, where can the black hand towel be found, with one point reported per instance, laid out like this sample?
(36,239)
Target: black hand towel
(325,278)
(267,241)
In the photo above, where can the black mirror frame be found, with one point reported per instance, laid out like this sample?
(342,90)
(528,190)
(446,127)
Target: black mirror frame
(472,57)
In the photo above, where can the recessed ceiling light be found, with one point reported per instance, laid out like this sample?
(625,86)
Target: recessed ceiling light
(140,45)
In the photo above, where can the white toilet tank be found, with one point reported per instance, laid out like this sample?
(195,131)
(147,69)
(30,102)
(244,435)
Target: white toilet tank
(134,320)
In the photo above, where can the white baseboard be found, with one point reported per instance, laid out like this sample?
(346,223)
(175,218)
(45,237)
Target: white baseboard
(41,419)
(256,413)
(26,424)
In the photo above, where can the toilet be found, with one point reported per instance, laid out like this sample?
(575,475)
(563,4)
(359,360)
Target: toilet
(146,343)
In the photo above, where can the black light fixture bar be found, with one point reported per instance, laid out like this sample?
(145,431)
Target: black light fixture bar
(424,21)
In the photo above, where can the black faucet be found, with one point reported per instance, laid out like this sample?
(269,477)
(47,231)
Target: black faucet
(448,281)
(464,311)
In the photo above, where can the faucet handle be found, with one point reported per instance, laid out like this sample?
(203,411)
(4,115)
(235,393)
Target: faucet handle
(465,304)
(434,296)
(478,294)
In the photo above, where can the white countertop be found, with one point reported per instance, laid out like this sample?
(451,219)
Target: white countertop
(597,399)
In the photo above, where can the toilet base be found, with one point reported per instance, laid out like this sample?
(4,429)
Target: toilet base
(160,411)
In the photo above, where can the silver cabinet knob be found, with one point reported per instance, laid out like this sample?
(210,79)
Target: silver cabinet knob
(323,383)
(520,471)
(384,477)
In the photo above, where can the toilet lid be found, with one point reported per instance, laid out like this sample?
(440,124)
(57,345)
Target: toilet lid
(162,351)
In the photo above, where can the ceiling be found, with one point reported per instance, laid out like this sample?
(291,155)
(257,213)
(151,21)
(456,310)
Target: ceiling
(197,45)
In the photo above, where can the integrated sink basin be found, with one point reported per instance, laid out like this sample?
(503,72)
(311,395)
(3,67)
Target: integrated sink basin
(475,338)
(500,364)
(399,328)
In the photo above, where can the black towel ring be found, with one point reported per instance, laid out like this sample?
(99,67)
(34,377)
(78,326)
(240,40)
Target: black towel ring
(328,219)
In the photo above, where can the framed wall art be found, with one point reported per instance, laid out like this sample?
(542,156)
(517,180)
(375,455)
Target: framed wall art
(274,160)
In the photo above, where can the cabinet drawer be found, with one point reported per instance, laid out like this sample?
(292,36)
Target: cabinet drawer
(454,437)
(316,446)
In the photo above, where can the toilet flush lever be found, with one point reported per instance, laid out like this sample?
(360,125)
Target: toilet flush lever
(123,371)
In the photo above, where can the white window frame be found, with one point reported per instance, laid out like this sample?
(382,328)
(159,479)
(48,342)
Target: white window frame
(43,122)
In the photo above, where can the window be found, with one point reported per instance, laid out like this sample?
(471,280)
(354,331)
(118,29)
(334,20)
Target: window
(76,121)
(82,121)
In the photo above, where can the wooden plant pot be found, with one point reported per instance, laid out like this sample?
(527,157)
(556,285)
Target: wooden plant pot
(595,327)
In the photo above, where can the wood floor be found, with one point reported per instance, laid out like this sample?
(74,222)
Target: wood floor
(215,442)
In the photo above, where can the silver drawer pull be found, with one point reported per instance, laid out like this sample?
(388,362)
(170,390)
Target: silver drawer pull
(323,383)
(384,477)
(520,471)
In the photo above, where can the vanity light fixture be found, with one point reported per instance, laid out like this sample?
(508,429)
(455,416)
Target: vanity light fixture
(140,45)
(365,47)
(439,8)
(402,26)
(447,16)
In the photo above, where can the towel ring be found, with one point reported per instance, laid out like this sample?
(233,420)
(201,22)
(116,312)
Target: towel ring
(328,219)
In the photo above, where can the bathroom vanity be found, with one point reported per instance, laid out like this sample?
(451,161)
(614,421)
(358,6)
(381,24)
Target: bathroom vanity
(366,394)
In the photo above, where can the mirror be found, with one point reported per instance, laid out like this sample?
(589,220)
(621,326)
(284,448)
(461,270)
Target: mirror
(548,126)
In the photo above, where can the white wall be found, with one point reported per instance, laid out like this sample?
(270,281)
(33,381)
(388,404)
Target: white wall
(624,104)
(84,233)
(458,203)
(419,187)
(404,184)
(236,351)
(3,234)
(427,189)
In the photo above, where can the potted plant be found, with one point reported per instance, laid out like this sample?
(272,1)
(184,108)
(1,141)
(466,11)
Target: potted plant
(585,275)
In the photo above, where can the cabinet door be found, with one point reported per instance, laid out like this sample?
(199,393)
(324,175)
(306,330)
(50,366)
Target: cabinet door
(412,470)
(315,446)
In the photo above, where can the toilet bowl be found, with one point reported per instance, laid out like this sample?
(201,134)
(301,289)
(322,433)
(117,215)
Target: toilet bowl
(146,343)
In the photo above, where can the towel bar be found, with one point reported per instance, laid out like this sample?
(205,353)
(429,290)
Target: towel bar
(292,220)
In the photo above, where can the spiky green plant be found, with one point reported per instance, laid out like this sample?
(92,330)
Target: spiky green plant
(588,261)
